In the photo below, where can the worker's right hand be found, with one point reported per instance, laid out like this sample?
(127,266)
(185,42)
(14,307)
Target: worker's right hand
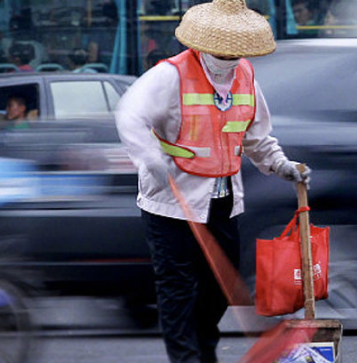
(287,170)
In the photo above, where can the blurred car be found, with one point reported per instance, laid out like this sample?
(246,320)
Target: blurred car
(73,210)
(67,209)
(65,180)
(65,95)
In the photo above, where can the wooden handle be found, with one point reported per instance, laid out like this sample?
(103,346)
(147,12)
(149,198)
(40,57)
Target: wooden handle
(306,255)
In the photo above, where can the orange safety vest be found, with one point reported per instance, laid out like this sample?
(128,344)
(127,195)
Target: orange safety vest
(210,139)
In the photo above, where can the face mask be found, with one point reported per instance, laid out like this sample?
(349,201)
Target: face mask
(220,73)
(219,66)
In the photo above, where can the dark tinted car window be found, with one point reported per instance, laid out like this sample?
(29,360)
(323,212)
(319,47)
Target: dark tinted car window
(30,92)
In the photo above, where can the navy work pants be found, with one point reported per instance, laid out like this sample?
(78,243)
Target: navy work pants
(190,302)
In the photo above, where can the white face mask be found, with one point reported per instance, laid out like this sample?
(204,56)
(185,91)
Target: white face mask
(220,73)
(219,66)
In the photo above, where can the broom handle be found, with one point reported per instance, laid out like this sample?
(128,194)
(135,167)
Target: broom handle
(307,271)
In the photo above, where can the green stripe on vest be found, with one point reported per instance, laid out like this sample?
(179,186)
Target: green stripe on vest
(243,100)
(190,99)
(178,151)
(236,126)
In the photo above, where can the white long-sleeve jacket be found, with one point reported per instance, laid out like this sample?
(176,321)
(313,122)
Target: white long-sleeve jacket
(154,101)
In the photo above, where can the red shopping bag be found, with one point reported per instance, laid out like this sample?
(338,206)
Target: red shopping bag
(279,287)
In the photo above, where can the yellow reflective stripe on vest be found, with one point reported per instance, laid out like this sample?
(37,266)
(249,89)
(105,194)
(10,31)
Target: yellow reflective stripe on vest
(182,152)
(204,99)
(174,150)
(235,126)
(190,99)
(243,100)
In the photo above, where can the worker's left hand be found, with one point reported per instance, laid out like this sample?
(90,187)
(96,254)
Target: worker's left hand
(287,170)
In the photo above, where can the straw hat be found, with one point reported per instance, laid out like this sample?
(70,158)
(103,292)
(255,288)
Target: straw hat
(226,28)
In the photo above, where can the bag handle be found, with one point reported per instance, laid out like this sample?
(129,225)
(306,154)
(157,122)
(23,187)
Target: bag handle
(292,224)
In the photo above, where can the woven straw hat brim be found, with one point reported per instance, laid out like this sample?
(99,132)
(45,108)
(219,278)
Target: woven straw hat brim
(226,28)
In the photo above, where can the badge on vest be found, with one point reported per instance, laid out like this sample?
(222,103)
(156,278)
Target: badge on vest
(223,106)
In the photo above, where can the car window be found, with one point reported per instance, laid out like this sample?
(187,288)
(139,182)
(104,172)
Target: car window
(80,98)
(113,96)
(29,92)
(125,84)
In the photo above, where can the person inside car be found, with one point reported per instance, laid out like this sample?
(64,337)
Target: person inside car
(16,112)
(191,117)
(15,108)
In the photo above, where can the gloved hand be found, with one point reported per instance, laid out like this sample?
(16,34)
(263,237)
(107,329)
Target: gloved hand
(287,170)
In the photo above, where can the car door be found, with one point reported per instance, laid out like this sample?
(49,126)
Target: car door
(79,218)
(75,207)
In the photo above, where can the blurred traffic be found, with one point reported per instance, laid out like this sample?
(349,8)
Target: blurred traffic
(68,201)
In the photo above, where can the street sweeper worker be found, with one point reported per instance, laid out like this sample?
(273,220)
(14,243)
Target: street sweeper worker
(192,117)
